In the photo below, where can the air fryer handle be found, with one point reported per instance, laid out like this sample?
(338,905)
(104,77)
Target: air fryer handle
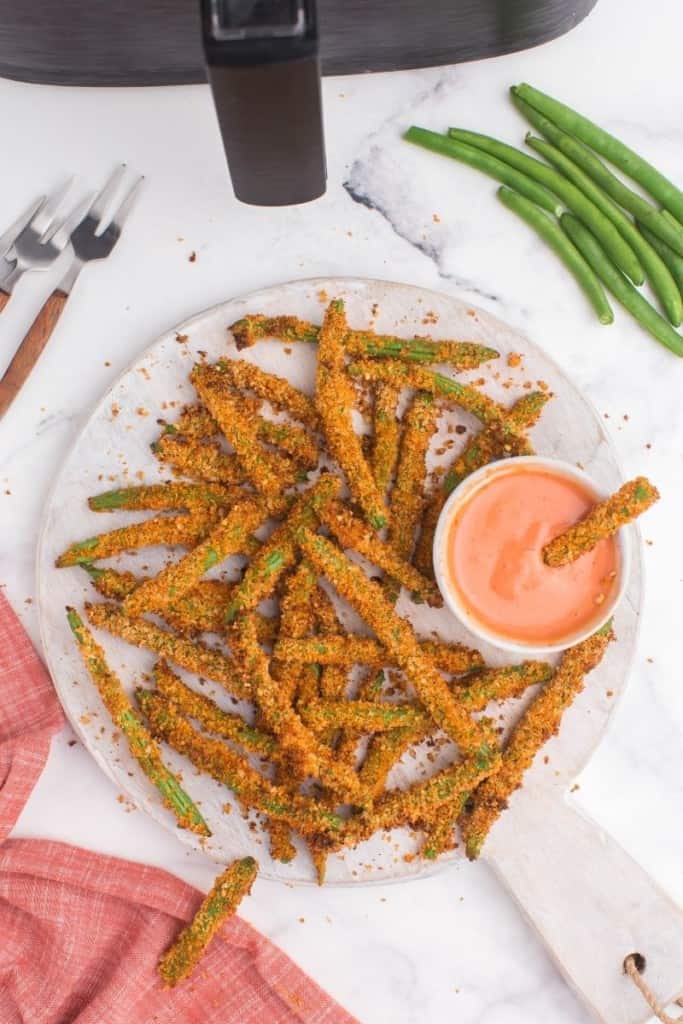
(268,103)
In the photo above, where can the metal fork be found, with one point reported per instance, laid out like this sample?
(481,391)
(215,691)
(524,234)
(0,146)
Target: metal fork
(89,241)
(8,238)
(36,246)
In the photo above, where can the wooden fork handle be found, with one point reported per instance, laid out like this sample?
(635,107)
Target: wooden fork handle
(28,353)
(4,299)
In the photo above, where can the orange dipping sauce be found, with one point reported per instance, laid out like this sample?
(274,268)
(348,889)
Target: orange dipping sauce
(494,559)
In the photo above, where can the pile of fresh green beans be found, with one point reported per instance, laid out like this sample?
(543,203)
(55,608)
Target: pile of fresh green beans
(581,208)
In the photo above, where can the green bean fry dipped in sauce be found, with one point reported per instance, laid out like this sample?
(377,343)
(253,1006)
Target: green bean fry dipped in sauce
(603,520)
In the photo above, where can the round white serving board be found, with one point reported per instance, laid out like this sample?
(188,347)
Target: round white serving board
(113,449)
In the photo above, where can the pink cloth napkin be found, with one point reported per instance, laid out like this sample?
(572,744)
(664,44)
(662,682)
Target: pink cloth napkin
(80,933)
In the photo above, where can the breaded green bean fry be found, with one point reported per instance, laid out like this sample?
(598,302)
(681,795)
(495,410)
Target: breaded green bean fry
(216,908)
(351,649)
(191,655)
(279,551)
(386,435)
(351,532)
(362,716)
(269,472)
(334,401)
(478,689)
(124,716)
(296,615)
(407,497)
(333,678)
(420,801)
(300,746)
(166,497)
(194,421)
(234,771)
(399,639)
(200,460)
(461,355)
(179,578)
(210,716)
(404,375)
(385,750)
(277,391)
(603,520)
(540,721)
(185,530)
(201,611)
(197,422)
(439,832)
(229,726)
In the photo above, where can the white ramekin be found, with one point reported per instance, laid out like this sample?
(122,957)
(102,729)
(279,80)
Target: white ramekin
(461,494)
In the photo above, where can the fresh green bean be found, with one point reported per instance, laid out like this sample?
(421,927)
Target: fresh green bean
(670,219)
(551,232)
(586,210)
(486,163)
(670,231)
(622,290)
(608,146)
(673,261)
(656,271)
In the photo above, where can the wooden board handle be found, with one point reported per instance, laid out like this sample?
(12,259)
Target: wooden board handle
(591,903)
(28,353)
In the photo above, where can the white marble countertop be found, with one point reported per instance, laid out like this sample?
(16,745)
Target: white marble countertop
(452,947)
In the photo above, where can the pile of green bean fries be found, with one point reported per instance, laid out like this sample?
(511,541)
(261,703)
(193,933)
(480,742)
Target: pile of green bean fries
(581,208)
